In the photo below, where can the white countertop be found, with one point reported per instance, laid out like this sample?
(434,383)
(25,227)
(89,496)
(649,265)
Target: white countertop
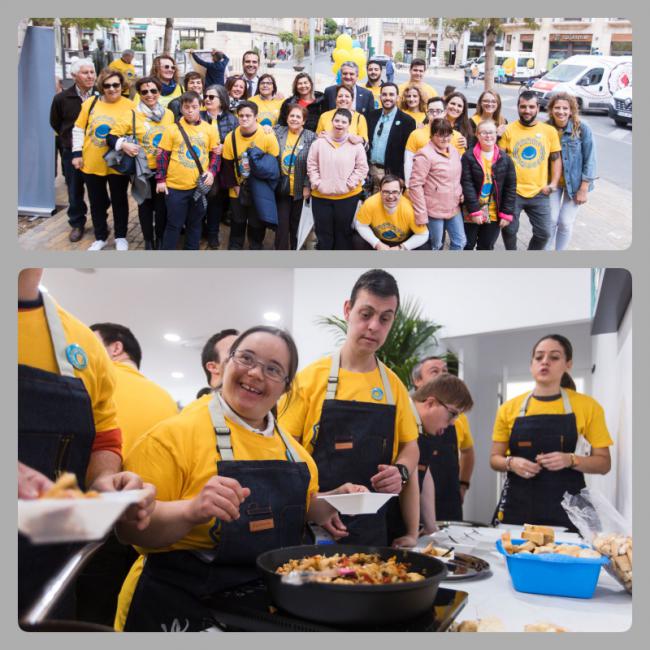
(610,609)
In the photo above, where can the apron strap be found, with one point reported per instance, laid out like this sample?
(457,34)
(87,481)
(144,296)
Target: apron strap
(565,401)
(418,419)
(333,379)
(291,454)
(57,335)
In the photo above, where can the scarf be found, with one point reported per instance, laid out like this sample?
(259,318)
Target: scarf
(154,114)
(168,89)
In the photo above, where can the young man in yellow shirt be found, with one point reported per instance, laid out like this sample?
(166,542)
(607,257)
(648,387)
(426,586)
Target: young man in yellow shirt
(416,74)
(531,145)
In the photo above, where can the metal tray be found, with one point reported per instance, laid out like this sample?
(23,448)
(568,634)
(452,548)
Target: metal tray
(466,567)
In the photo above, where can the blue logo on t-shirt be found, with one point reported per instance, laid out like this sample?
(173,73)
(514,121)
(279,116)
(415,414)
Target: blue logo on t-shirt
(266,122)
(197,151)
(156,139)
(529,153)
(102,131)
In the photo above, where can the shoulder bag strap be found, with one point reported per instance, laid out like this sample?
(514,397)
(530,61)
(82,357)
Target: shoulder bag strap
(233,135)
(190,148)
(90,110)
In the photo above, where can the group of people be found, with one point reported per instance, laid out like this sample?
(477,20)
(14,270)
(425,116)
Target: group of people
(381,166)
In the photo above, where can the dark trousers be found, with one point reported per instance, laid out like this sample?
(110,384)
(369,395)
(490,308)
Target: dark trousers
(217,208)
(118,185)
(74,182)
(244,218)
(153,214)
(182,210)
(482,237)
(538,209)
(333,222)
(289,211)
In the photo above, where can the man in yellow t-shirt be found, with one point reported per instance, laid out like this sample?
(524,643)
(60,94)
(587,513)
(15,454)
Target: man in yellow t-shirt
(386,221)
(125,65)
(179,177)
(416,71)
(531,145)
(353,414)
(236,172)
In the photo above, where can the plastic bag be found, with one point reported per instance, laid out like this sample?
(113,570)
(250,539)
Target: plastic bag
(605,528)
(306,223)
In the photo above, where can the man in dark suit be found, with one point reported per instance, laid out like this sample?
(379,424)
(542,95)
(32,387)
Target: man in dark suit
(388,131)
(363,100)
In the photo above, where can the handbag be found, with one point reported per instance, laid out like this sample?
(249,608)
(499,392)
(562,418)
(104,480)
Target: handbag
(123,164)
(284,187)
(245,194)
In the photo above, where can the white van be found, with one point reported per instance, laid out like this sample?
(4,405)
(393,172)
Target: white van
(518,66)
(620,109)
(592,79)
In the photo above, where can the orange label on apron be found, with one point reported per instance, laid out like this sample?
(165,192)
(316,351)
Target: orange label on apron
(422,467)
(525,443)
(344,445)
(261,524)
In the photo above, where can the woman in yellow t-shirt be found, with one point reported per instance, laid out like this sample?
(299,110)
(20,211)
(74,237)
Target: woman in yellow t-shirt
(412,103)
(267,101)
(358,127)
(488,107)
(97,116)
(536,436)
(230,485)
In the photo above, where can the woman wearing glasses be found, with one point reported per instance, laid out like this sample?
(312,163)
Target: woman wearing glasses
(267,101)
(488,107)
(386,221)
(230,485)
(163,68)
(97,116)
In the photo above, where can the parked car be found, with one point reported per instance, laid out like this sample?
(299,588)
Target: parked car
(620,109)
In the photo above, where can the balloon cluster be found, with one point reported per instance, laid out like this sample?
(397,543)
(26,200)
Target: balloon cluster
(348,50)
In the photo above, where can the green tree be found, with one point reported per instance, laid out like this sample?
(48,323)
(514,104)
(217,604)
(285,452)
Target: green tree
(287,37)
(330,26)
(492,28)
(80,24)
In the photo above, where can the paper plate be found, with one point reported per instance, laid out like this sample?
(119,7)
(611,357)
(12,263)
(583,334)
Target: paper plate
(48,521)
(361,503)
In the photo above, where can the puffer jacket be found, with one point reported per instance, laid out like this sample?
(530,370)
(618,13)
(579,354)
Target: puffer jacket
(264,177)
(434,186)
(336,170)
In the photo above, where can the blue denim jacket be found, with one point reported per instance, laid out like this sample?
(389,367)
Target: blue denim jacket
(578,158)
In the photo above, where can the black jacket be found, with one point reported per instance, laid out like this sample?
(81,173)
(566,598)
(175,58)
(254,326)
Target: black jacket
(314,110)
(504,181)
(403,126)
(64,111)
(365,100)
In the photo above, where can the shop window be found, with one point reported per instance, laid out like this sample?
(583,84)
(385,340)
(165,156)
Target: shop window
(621,48)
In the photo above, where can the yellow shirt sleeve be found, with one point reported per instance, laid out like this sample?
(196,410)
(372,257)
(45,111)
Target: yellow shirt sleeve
(465,440)
(228,152)
(364,215)
(82,119)
(167,140)
(362,127)
(271,145)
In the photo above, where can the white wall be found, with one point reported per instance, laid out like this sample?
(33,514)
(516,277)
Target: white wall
(465,301)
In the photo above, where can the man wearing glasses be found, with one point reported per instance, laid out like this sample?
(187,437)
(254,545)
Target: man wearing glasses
(446,451)
(388,131)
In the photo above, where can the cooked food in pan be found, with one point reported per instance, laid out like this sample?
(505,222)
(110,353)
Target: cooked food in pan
(66,487)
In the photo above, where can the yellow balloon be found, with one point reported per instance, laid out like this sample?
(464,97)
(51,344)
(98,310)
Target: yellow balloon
(359,56)
(362,72)
(335,67)
(344,42)
(339,55)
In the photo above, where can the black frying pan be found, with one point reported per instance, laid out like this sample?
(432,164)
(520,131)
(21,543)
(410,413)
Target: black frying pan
(353,604)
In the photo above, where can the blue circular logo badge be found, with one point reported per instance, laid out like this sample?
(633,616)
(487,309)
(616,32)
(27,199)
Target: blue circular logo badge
(102,131)
(156,139)
(529,153)
(76,356)
(197,151)
(377,394)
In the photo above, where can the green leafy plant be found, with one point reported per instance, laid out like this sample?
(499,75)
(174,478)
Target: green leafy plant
(188,44)
(412,337)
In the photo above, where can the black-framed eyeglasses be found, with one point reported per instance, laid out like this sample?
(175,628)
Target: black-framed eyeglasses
(106,86)
(452,414)
(391,192)
(211,97)
(436,111)
(270,370)
(144,92)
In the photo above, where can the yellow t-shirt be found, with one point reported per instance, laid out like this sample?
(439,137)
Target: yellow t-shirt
(417,116)
(179,456)
(302,413)
(390,228)
(426,90)
(463,433)
(376,93)
(128,70)
(286,157)
(358,125)
(204,399)
(98,125)
(140,404)
(269,110)
(421,137)
(35,350)
(590,417)
(182,173)
(530,148)
(267,142)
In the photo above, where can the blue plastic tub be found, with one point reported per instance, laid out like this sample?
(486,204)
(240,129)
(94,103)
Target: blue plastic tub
(551,574)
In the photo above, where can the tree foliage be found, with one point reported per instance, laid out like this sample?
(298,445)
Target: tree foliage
(287,37)
(81,23)
(330,26)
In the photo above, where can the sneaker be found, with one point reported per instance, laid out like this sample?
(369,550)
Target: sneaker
(121,244)
(97,245)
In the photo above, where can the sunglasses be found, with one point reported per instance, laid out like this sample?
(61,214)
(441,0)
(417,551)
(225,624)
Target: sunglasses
(144,92)
(211,97)
(168,67)
(106,86)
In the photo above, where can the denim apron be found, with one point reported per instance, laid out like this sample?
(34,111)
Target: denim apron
(352,439)
(537,500)
(173,587)
(55,434)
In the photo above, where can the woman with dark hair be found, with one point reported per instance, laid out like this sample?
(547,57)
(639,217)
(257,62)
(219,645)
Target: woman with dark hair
(536,440)
(294,141)
(89,144)
(164,69)
(237,90)
(191,81)
(456,105)
(578,167)
(358,125)
(488,107)
(267,101)
(230,485)
(303,94)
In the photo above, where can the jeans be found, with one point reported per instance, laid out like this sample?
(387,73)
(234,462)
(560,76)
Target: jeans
(152,214)
(539,213)
(482,237)
(74,181)
(99,202)
(289,211)
(453,227)
(217,208)
(563,215)
(333,222)
(182,210)
(244,219)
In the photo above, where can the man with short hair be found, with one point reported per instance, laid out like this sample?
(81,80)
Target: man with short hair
(388,131)
(191,81)
(448,452)
(353,414)
(531,145)
(373,70)
(390,70)
(125,65)
(416,75)
(363,100)
(250,65)
(215,70)
(64,111)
